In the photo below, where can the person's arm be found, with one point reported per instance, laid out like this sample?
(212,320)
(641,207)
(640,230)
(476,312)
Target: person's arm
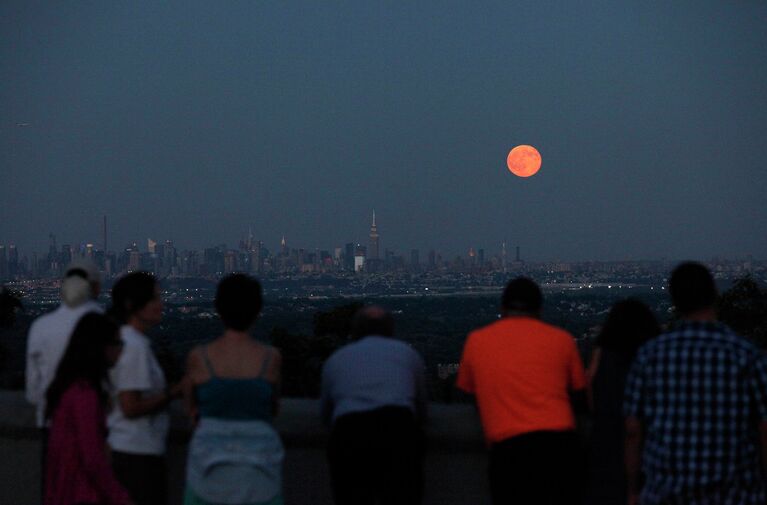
(132,380)
(137,403)
(88,423)
(188,385)
(465,379)
(591,372)
(33,377)
(633,458)
(633,411)
(577,379)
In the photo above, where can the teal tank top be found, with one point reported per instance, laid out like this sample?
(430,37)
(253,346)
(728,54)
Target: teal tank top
(235,398)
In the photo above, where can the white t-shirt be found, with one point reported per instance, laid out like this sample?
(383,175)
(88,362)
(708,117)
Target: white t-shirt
(48,339)
(137,370)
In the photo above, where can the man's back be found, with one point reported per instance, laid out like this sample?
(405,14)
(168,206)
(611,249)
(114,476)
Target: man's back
(371,373)
(700,391)
(47,341)
(521,370)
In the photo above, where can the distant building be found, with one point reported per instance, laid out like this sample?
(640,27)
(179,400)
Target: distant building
(360,255)
(374,247)
(414,259)
(349,257)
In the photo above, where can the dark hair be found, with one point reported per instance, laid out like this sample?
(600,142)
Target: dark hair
(372,321)
(522,295)
(629,324)
(84,359)
(76,272)
(132,293)
(238,301)
(692,288)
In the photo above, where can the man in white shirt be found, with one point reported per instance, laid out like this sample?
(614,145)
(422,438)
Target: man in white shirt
(49,334)
(49,337)
(374,397)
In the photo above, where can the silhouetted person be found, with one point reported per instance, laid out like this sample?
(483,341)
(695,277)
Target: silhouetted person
(231,391)
(78,471)
(696,402)
(49,335)
(629,324)
(139,421)
(523,372)
(374,399)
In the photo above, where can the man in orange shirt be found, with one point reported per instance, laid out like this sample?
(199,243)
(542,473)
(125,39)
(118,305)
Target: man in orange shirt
(525,375)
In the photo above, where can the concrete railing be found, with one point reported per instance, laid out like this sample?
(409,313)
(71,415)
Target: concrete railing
(454,469)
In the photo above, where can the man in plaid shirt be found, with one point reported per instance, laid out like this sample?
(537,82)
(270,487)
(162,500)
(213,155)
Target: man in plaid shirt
(696,407)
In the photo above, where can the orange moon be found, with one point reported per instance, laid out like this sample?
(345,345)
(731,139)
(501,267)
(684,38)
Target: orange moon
(524,161)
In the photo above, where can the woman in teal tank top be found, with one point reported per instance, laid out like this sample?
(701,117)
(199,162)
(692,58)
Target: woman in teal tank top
(231,392)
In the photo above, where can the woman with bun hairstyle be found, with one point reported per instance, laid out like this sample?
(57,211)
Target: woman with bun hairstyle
(139,422)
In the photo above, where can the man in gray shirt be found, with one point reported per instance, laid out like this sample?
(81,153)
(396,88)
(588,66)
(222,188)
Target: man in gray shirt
(374,400)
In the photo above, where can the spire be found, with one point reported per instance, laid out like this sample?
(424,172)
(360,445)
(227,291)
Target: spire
(374,217)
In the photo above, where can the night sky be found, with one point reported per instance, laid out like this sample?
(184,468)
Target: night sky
(194,121)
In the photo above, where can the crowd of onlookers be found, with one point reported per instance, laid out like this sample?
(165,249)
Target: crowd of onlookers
(677,416)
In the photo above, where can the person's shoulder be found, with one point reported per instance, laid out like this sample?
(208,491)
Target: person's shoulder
(739,343)
(45,320)
(132,338)
(493,328)
(553,330)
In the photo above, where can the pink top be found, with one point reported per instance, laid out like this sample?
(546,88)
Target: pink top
(77,468)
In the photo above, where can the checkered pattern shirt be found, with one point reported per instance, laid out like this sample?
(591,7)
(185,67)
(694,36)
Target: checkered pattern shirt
(700,391)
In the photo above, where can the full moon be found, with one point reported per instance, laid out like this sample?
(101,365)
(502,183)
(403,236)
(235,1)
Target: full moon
(524,161)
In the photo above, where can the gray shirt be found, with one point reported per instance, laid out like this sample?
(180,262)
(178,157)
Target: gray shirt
(371,373)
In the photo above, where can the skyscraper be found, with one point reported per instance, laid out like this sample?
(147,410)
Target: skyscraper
(373,253)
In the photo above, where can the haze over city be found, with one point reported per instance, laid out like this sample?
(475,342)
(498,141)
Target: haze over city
(197,121)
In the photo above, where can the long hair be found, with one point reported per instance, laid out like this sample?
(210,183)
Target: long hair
(130,294)
(629,324)
(84,359)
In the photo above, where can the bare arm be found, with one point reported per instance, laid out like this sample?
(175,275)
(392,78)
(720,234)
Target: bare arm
(136,403)
(633,457)
(188,384)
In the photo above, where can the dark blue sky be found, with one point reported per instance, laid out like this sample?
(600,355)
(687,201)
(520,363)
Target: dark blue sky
(196,120)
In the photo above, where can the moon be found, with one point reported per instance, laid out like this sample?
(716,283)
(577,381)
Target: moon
(524,161)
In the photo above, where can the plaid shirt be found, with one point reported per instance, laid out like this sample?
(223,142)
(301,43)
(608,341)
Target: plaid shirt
(700,391)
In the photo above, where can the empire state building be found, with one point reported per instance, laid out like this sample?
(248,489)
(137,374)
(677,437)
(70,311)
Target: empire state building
(373,252)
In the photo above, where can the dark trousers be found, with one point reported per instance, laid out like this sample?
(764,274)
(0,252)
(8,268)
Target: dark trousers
(538,468)
(143,476)
(376,458)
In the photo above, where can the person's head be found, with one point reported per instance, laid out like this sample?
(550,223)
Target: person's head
(522,296)
(93,349)
(238,301)
(136,300)
(692,289)
(81,282)
(372,320)
(629,324)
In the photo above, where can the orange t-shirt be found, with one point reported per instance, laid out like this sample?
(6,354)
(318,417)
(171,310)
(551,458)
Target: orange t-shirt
(521,370)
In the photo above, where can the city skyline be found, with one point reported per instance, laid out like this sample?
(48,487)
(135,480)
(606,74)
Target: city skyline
(195,121)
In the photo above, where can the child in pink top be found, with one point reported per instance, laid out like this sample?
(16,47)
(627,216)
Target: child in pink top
(77,468)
